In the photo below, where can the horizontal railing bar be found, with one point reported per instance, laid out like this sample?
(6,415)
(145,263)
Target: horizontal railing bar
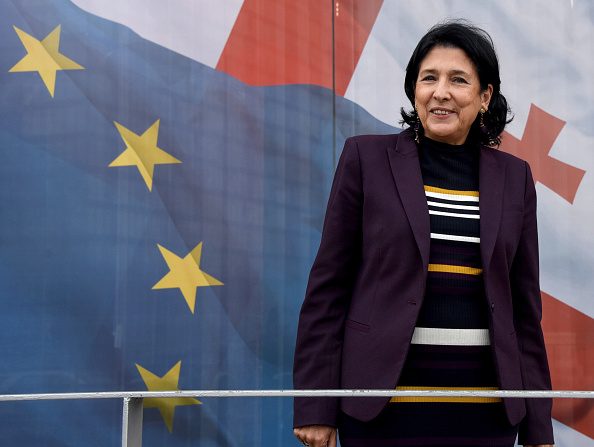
(298,393)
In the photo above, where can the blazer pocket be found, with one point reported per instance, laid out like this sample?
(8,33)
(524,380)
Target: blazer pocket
(352,324)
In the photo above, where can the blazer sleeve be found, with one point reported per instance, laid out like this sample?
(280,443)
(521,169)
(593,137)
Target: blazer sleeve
(321,322)
(536,427)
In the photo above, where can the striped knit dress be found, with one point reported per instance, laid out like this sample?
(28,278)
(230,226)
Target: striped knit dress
(450,345)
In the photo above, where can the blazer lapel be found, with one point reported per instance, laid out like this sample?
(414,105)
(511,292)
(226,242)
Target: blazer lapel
(404,162)
(491,181)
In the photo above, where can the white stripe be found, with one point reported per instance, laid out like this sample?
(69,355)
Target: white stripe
(459,198)
(198,29)
(450,337)
(452,237)
(464,216)
(451,205)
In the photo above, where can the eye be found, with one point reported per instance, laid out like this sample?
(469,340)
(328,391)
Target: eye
(428,78)
(459,80)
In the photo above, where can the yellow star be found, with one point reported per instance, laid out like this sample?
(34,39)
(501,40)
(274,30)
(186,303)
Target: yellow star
(168,382)
(142,152)
(185,274)
(44,57)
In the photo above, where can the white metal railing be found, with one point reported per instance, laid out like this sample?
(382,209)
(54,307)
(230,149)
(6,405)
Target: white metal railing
(133,400)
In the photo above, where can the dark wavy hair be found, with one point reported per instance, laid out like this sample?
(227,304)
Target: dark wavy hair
(478,46)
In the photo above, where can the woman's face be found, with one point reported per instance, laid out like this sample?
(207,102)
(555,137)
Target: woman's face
(448,95)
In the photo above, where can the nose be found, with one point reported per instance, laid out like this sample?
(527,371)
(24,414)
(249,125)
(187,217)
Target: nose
(441,92)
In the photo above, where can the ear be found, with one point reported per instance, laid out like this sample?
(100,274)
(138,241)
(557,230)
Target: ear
(486,96)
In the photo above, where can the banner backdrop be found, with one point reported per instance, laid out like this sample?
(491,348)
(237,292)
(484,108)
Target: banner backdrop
(165,169)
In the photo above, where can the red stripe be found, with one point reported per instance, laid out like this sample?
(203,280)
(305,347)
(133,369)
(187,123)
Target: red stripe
(277,42)
(569,335)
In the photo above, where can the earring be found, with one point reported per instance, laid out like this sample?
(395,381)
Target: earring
(482,112)
(417,125)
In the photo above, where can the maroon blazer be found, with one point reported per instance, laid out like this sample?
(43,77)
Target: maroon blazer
(367,282)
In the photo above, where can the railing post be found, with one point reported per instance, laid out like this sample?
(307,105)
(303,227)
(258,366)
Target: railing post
(132,422)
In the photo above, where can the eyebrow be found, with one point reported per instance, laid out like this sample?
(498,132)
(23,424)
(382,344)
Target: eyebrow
(452,72)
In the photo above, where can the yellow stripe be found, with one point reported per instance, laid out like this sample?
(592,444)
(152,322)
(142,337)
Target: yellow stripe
(451,191)
(478,400)
(454,269)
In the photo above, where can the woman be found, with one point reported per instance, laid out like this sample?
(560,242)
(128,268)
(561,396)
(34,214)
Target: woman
(427,271)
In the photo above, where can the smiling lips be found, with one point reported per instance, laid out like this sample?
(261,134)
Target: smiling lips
(441,112)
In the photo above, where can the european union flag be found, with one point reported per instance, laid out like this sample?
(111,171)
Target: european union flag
(158,222)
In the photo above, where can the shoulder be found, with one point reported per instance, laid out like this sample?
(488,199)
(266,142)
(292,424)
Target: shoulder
(504,157)
(518,175)
(367,156)
(369,146)
(511,162)
(369,142)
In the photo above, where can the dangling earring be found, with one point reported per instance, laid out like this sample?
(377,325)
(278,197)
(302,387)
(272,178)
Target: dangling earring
(482,112)
(417,125)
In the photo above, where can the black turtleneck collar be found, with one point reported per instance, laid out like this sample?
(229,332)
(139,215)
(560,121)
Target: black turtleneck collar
(428,143)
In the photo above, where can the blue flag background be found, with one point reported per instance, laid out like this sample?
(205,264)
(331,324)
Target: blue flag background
(78,239)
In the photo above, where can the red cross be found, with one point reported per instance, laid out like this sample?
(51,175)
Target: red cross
(540,133)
